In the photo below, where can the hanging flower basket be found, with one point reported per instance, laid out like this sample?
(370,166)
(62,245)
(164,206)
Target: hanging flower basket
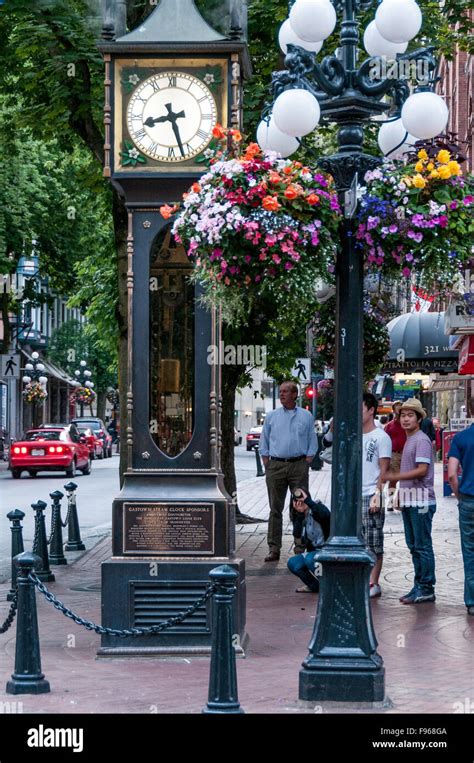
(376,337)
(416,220)
(255,223)
(34,392)
(82,396)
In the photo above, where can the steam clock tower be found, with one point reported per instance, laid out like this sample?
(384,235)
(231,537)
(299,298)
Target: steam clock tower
(168,83)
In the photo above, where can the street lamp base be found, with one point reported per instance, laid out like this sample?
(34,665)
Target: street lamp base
(342,686)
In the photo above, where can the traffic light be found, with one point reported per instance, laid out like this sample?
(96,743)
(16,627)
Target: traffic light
(308,396)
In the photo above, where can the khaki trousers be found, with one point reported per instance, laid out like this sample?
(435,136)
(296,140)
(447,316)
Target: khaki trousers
(279,476)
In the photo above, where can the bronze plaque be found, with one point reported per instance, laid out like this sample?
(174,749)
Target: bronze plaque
(181,529)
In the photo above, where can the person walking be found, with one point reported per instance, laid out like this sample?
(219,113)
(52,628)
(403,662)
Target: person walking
(376,455)
(461,453)
(311,523)
(288,444)
(398,437)
(417,501)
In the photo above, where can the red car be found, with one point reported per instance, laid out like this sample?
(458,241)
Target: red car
(94,442)
(61,449)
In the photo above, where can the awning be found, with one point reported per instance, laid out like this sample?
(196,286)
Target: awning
(418,344)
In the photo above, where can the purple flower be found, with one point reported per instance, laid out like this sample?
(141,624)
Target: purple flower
(443,221)
(453,205)
(406,272)
(417,219)
(393,228)
(468,200)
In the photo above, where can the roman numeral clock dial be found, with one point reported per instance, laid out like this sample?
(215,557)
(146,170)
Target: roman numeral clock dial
(170,117)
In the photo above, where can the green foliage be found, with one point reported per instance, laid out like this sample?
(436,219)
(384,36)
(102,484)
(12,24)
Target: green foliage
(72,343)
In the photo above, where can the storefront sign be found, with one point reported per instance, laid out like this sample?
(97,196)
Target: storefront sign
(421,365)
(466,356)
(458,424)
(458,318)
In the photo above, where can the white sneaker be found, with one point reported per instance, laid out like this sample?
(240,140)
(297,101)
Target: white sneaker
(375,590)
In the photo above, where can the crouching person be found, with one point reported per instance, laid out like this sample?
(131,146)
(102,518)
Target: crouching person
(311,523)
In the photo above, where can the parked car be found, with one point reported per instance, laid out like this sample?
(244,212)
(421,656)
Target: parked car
(50,449)
(94,442)
(237,437)
(253,437)
(100,430)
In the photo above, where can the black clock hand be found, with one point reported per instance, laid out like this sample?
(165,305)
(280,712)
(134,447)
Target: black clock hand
(177,136)
(150,121)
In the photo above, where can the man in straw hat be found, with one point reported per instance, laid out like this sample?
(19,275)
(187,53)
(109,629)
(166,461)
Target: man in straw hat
(417,501)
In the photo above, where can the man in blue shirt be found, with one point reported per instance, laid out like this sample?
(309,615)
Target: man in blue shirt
(461,454)
(288,444)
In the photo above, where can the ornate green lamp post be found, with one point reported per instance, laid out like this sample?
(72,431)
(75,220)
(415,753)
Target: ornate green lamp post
(349,89)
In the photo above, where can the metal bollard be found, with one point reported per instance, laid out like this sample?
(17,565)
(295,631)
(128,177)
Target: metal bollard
(260,472)
(40,545)
(56,552)
(15,518)
(223,695)
(27,677)
(74,541)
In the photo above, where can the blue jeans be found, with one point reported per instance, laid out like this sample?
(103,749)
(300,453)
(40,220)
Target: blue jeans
(417,522)
(303,565)
(466,529)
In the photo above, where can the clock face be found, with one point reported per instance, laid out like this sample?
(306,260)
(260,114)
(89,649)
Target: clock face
(170,116)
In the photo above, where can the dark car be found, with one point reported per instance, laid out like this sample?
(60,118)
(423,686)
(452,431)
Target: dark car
(100,430)
(253,437)
(50,449)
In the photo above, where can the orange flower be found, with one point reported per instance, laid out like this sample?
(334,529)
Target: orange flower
(270,203)
(288,170)
(166,211)
(218,132)
(196,187)
(237,135)
(291,192)
(274,177)
(313,198)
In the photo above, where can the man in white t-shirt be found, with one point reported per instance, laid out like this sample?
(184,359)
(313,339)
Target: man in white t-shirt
(376,456)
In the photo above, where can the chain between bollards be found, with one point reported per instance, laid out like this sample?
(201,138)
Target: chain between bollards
(11,614)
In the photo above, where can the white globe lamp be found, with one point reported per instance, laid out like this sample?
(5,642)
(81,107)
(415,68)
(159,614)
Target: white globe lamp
(425,115)
(296,112)
(287,36)
(270,138)
(394,140)
(398,20)
(376,45)
(313,20)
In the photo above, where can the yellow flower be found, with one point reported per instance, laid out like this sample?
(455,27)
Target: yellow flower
(455,168)
(444,172)
(420,167)
(430,166)
(444,156)
(422,154)
(434,174)
(419,182)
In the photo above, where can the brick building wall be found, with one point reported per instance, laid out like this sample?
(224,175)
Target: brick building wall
(457,87)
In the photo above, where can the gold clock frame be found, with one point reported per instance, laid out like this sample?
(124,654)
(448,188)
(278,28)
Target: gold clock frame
(188,65)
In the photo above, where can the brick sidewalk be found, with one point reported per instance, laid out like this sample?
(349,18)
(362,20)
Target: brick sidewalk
(427,649)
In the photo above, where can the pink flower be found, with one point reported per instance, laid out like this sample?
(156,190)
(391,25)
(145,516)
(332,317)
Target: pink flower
(276,258)
(289,266)
(406,272)
(468,200)
(443,221)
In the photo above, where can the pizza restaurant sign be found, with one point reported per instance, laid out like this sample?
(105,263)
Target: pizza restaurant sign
(422,365)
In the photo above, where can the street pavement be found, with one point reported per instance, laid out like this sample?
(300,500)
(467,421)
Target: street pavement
(427,649)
